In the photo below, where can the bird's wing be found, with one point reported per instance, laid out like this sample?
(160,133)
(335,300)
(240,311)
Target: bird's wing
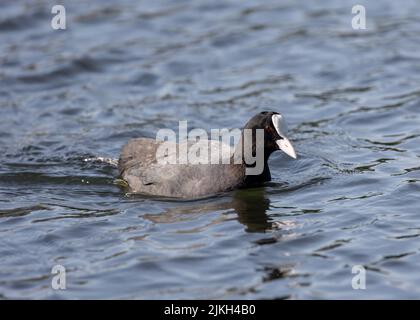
(137,153)
(141,165)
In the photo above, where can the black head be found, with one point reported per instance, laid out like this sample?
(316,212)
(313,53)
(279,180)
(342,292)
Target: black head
(275,132)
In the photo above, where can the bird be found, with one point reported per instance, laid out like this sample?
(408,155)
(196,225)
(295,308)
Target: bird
(146,169)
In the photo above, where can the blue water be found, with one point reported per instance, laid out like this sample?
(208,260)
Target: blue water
(127,69)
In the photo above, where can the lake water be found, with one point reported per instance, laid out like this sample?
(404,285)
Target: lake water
(126,70)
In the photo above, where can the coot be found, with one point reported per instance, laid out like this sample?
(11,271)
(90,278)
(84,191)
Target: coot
(141,165)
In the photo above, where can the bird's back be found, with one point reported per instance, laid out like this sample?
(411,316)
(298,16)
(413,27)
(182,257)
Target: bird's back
(139,165)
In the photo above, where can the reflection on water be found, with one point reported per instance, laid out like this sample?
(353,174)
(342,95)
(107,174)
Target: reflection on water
(69,100)
(250,206)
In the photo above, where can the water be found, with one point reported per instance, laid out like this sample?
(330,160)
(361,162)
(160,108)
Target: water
(125,70)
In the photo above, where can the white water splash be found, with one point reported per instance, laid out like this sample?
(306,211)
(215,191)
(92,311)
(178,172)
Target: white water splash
(111,161)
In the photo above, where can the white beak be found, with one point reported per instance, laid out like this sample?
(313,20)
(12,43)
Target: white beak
(285,146)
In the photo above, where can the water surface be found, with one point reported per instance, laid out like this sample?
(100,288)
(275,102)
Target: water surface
(125,70)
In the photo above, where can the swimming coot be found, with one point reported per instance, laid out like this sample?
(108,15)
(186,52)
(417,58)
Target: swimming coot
(141,162)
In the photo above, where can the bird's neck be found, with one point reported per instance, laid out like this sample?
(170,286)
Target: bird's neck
(238,158)
(255,180)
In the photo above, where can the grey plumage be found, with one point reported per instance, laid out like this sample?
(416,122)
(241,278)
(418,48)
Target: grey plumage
(138,166)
